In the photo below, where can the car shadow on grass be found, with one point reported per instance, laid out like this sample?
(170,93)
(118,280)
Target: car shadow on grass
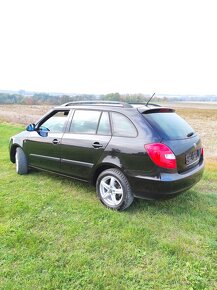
(65,181)
(189,202)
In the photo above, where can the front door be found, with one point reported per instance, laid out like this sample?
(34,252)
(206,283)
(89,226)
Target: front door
(43,145)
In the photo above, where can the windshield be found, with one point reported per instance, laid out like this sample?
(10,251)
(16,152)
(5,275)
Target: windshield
(170,125)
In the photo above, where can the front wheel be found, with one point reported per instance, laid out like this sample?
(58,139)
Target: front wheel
(21,162)
(114,189)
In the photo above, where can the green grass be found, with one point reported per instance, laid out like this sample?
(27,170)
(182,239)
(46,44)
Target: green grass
(55,234)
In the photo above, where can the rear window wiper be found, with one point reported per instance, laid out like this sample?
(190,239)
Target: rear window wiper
(190,134)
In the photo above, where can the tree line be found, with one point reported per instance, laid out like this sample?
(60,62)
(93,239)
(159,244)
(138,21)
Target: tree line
(48,99)
(41,99)
(55,99)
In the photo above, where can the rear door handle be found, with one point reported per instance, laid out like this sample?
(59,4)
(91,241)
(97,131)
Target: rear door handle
(97,145)
(55,141)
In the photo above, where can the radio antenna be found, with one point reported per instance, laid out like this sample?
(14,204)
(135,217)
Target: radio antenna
(150,99)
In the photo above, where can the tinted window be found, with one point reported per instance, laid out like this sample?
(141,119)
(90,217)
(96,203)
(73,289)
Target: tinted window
(56,122)
(122,126)
(170,125)
(85,122)
(104,125)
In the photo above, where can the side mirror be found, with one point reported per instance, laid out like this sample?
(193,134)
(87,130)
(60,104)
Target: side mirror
(43,131)
(30,127)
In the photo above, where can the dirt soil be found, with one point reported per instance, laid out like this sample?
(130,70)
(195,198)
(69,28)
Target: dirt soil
(204,122)
(202,118)
(22,114)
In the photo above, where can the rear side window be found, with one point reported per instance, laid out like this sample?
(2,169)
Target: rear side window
(104,125)
(85,122)
(170,125)
(122,126)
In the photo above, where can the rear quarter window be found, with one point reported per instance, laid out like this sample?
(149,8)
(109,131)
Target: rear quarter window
(169,125)
(122,126)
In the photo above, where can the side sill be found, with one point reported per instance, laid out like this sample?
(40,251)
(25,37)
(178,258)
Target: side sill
(57,173)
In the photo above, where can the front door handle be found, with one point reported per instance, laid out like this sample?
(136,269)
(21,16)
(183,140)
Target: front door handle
(97,145)
(55,141)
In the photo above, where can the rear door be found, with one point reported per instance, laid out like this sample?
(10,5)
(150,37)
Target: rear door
(88,135)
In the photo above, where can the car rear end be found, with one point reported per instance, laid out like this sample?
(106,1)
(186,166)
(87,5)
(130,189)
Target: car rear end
(177,157)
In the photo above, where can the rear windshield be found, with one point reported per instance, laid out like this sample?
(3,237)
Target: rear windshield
(170,125)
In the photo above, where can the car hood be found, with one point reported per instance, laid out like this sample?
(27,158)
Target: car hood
(18,138)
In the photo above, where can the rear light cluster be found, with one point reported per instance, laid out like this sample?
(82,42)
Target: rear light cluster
(161,155)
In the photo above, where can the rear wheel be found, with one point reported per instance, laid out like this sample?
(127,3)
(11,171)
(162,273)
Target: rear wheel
(21,162)
(114,189)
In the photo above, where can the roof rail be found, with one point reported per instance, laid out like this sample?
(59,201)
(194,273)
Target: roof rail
(98,103)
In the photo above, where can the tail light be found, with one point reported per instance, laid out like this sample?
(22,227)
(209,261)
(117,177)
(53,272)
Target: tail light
(202,151)
(161,155)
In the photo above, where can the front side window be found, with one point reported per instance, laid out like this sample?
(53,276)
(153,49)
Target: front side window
(85,122)
(56,123)
(122,126)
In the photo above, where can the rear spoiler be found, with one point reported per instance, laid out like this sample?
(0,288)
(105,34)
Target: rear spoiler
(145,110)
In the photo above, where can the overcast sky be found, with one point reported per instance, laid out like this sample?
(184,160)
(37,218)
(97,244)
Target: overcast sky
(99,46)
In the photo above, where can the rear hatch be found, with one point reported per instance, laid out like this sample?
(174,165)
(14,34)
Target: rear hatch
(177,134)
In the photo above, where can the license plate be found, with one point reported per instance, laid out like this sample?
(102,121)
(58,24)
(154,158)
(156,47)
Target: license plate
(191,157)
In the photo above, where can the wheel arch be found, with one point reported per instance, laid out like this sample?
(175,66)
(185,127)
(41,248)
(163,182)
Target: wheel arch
(13,152)
(100,169)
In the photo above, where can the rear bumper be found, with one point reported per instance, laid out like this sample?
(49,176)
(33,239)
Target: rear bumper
(167,185)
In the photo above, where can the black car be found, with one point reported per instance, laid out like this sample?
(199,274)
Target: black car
(125,150)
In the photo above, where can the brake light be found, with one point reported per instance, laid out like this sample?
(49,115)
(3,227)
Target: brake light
(202,151)
(161,155)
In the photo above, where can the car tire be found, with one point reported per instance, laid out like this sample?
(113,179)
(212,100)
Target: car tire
(114,189)
(21,162)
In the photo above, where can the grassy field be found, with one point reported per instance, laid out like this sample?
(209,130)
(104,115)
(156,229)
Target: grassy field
(55,234)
